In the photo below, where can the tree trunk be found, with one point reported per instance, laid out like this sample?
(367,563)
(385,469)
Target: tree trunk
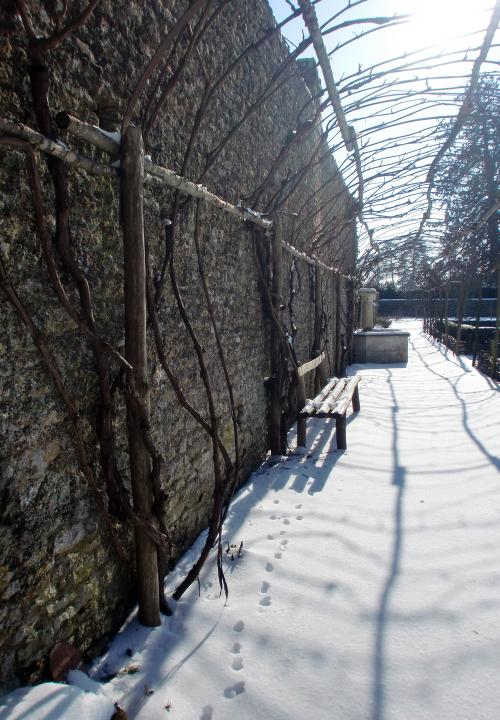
(132,199)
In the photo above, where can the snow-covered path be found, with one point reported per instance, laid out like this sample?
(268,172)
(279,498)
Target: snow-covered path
(369,586)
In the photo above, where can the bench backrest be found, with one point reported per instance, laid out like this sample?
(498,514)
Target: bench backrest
(308,366)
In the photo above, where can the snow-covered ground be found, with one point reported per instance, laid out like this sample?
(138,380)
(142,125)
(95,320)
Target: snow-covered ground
(369,586)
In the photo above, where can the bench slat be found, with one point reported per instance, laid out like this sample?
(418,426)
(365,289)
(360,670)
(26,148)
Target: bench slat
(339,399)
(341,406)
(332,397)
(310,406)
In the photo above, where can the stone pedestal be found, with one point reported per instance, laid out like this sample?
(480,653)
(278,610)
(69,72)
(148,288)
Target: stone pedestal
(367,297)
(381,346)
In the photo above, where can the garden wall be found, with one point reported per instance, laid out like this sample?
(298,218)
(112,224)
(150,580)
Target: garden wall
(60,578)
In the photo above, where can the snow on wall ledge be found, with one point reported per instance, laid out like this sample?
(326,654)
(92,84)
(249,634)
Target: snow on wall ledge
(60,579)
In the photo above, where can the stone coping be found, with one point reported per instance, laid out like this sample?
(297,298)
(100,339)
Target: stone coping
(382,332)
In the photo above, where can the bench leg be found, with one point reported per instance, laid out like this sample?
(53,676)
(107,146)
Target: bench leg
(355,400)
(301,432)
(341,426)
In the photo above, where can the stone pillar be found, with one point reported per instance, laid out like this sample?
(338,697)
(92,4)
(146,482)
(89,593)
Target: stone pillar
(367,297)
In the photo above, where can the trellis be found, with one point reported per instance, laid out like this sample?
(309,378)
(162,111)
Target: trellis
(436,322)
(134,170)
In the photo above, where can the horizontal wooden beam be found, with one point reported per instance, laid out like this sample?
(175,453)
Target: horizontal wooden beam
(56,149)
(110,143)
(311,260)
(308,366)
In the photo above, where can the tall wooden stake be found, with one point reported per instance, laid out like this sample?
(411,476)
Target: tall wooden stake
(494,342)
(441,315)
(132,201)
(446,312)
(320,374)
(339,340)
(460,317)
(475,345)
(301,422)
(276,359)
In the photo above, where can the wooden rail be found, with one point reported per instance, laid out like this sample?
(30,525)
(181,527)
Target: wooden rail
(110,143)
(308,366)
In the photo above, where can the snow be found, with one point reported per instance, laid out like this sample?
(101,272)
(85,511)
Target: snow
(115,136)
(85,700)
(369,585)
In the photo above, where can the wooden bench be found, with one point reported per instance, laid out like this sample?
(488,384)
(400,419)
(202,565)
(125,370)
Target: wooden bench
(332,401)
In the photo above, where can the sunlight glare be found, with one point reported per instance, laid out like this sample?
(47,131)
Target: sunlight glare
(442,22)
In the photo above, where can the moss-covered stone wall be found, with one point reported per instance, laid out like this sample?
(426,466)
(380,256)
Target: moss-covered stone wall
(60,578)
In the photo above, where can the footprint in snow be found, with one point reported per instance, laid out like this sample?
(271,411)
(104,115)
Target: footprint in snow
(286,521)
(299,517)
(207,587)
(277,556)
(233,690)
(237,664)
(276,502)
(297,507)
(265,601)
(207,713)
(269,567)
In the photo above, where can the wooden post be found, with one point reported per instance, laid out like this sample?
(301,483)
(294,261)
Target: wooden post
(301,422)
(351,291)
(475,344)
(319,375)
(446,312)
(338,323)
(276,359)
(434,313)
(460,317)
(496,337)
(340,431)
(355,400)
(132,200)
(440,321)
(335,329)
(428,312)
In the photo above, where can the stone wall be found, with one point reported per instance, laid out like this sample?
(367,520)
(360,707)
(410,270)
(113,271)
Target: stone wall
(60,578)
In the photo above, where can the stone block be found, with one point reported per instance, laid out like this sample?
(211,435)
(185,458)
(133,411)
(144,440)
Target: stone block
(382,347)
